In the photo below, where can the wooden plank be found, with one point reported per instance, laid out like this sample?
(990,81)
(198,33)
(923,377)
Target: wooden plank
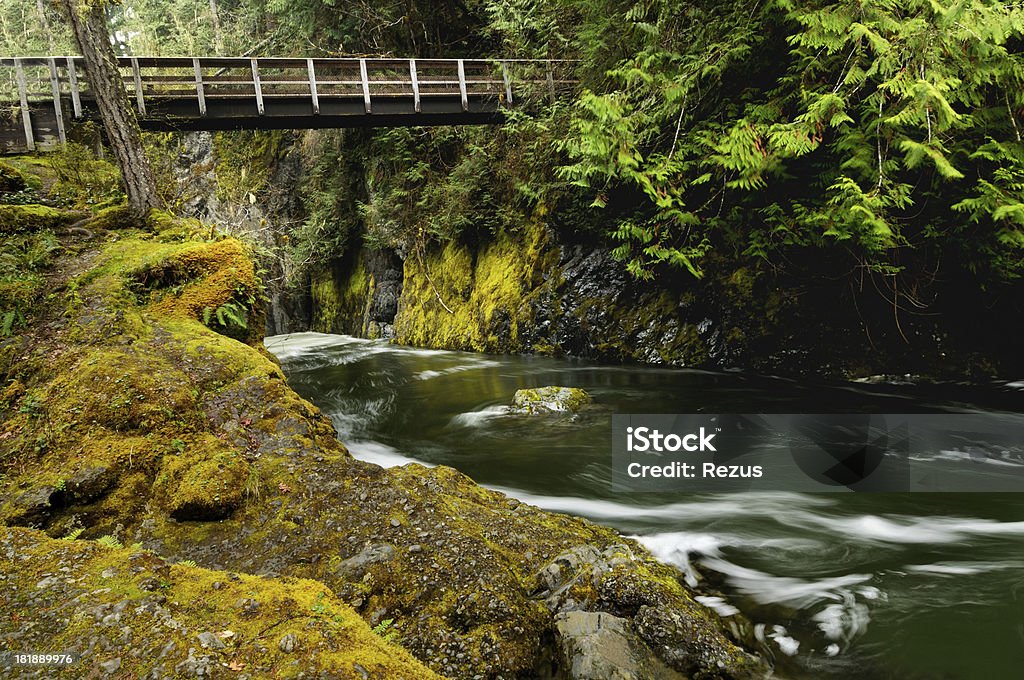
(76,98)
(462,86)
(366,84)
(415,86)
(139,99)
(200,90)
(26,115)
(256,85)
(312,86)
(58,110)
(508,84)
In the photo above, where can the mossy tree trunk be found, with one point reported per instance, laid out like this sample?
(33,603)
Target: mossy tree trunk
(92,33)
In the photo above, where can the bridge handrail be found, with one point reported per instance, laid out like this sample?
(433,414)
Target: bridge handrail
(205,78)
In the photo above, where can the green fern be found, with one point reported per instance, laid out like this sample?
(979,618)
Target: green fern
(384,630)
(109,542)
(73,534)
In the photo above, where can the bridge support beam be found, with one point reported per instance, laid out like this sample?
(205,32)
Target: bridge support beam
(57,108)
(76,99)
(312,87)
(26,115)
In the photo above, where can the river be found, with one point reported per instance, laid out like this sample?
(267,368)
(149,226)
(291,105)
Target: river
(840,585)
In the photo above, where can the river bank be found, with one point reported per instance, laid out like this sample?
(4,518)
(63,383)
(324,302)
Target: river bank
(138,409)
(839,586)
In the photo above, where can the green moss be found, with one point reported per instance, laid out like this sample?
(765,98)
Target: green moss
(168,607)
(550,399)
(11,179)
(113,218)
(244,161)
(126,386)
(341,297)
(204,480)
(487,296)
(15,219)
(214,282)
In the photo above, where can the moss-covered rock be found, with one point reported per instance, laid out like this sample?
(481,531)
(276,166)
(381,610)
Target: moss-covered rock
(550,399)
(127,612)
(479,299)
(124,414)
(11,179)
(16,219)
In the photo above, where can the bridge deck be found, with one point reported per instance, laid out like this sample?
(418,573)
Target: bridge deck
(44,94)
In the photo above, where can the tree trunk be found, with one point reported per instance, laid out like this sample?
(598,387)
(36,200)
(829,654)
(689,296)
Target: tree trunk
(92,33)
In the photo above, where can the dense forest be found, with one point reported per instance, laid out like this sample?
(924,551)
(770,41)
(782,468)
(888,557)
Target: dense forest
(860,154)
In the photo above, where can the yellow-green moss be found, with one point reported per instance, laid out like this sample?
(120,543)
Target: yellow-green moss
(129,384)
(342,297)
(203,478)
(159,604)
(483,294)
(244,161)
(11,179)
(19,218)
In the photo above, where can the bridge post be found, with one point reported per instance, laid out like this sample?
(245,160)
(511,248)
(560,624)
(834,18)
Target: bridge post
(200,90)
(257,87)
(312,87)
(26,115)
(551,82)
(138,87)
(462,86)
(366,84)
(58,110)
(508,84)
(76,99)
(415,86)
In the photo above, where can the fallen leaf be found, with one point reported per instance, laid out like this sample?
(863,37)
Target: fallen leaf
(225,634)
(236,666)
(284,488)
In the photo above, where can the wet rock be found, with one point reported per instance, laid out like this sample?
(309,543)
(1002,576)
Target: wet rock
(288,643)
(356,567)
(599,646)
(34,505)
(685,646)
(551,399)
(90,483)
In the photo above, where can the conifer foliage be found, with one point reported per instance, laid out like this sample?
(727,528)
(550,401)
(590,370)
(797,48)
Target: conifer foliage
(881,126)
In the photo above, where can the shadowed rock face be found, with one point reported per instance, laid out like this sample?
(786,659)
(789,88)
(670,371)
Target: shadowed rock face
(161,431)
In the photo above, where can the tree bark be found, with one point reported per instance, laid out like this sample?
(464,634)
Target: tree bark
(92,33)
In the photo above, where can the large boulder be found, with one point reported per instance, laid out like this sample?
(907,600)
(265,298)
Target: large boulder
(599,646)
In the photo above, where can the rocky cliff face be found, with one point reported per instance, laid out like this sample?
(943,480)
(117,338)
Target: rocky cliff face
(223,193)
(550,291)
(139,409)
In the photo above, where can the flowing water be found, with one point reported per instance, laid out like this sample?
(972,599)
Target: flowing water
(839,585)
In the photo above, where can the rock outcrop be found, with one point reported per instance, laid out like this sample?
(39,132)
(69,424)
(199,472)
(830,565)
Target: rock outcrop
(139,405)
(125,612)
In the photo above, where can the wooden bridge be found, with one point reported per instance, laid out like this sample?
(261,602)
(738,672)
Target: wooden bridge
(40,97)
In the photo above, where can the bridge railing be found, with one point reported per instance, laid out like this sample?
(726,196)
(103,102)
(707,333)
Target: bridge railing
(61,80)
